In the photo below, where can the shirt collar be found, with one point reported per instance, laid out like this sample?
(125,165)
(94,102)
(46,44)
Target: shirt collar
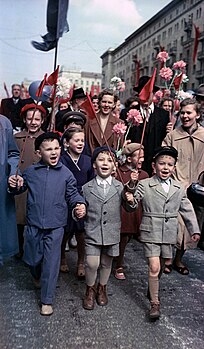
(100,180)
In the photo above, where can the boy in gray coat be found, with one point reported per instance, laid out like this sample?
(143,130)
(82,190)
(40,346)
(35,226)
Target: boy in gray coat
(102,224)
(162,198)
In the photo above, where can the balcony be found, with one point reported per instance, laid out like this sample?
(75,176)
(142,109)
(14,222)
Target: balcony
(187,42)
(199,74)
(200,55)
(173,51)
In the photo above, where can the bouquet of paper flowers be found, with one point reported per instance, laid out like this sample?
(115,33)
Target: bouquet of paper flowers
(63,88)
(117,85)
(134,118)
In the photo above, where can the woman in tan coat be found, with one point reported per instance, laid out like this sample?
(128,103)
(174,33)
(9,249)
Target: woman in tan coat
(31,131)
(188,139)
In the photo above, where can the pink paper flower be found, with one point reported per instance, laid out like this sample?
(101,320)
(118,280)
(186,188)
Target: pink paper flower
(166,73)
(121,86)
(158,94)
(134,117)
(180,65)
(119,129)
(162,56)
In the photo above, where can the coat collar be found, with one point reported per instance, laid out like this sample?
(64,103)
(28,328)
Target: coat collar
(154,182)
(24,133)
(112,120)
(41,164)
(180,133)
(112,191)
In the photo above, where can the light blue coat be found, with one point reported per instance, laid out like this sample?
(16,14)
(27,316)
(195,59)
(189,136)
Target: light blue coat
(9,156)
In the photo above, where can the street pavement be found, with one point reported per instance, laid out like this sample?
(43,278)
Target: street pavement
(122,324)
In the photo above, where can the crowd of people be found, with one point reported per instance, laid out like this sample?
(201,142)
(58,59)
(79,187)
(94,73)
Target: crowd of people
(77,181)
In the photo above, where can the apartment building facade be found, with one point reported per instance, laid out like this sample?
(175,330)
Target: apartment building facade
(171,29)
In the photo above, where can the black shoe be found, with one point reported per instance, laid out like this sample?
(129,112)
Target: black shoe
(44,46)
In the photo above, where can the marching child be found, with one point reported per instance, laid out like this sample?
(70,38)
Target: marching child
(51,189)
(162,198)
(81,167)
(130,222)
(102,225)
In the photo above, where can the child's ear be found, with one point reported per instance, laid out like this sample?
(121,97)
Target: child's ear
(153,167)
(128,159)
(94,165)
(38,152)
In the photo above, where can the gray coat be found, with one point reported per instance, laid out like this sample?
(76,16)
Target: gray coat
(160,211)
(103,219)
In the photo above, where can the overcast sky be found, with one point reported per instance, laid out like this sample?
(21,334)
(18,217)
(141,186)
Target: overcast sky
(95,26)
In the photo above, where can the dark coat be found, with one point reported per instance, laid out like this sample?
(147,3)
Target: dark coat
(83,173)
(50,191)
(9,157)
(155,132)
(12,111)
(130,221)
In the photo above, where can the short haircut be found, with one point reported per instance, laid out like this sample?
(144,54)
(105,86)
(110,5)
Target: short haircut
(191,101)
(47,136)
(68,134)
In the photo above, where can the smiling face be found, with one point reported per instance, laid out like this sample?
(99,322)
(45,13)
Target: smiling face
(164,166)
(189,116)
(167,105)
(104,164)
(107,104)
(50,152)
(33,124)
(76,144)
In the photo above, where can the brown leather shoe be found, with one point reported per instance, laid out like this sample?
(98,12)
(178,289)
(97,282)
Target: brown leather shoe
(154,310)
(89,300)
(101,296)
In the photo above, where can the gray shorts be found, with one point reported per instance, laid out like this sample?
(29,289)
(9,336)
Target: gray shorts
(97,250)
(158,250)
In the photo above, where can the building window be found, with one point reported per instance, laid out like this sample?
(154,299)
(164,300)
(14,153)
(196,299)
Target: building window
(87,83)
(170,31)
(164,35)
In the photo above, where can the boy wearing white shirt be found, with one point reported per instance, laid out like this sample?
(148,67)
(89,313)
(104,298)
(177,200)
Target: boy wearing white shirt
(102,224)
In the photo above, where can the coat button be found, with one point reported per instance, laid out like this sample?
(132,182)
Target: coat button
(104,222)
(104,212)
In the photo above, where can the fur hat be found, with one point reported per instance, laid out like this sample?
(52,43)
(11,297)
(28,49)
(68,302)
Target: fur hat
(131,148)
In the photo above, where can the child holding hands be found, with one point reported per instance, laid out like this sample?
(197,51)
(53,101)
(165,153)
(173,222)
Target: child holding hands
(103,196)
(51,187)
(162,198)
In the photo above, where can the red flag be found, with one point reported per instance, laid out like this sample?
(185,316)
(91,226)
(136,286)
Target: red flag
(92,92)
(71,90)
(52,78)
(41,86)
(178,81)
(88,107)
(196,42)
(5,88)
(147,90)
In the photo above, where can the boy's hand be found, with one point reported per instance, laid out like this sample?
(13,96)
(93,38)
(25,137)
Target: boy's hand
(195,237)
(15,181)
(129,197)
(169,127)
(80,211)
(134,176)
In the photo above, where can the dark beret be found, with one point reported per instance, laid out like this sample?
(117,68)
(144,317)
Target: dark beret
(44,136)
(166,150)
(99,150)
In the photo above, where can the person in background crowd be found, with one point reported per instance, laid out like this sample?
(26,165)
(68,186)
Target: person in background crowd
(188,139)
(11,107)
(9,157)
(78,98)
(63,108)
(199,95)
(95,134)
(94,100)
(81,167)
(156,126)
(31,130)
(130,222)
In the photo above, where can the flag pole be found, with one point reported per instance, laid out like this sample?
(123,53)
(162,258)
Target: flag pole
(56,52)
